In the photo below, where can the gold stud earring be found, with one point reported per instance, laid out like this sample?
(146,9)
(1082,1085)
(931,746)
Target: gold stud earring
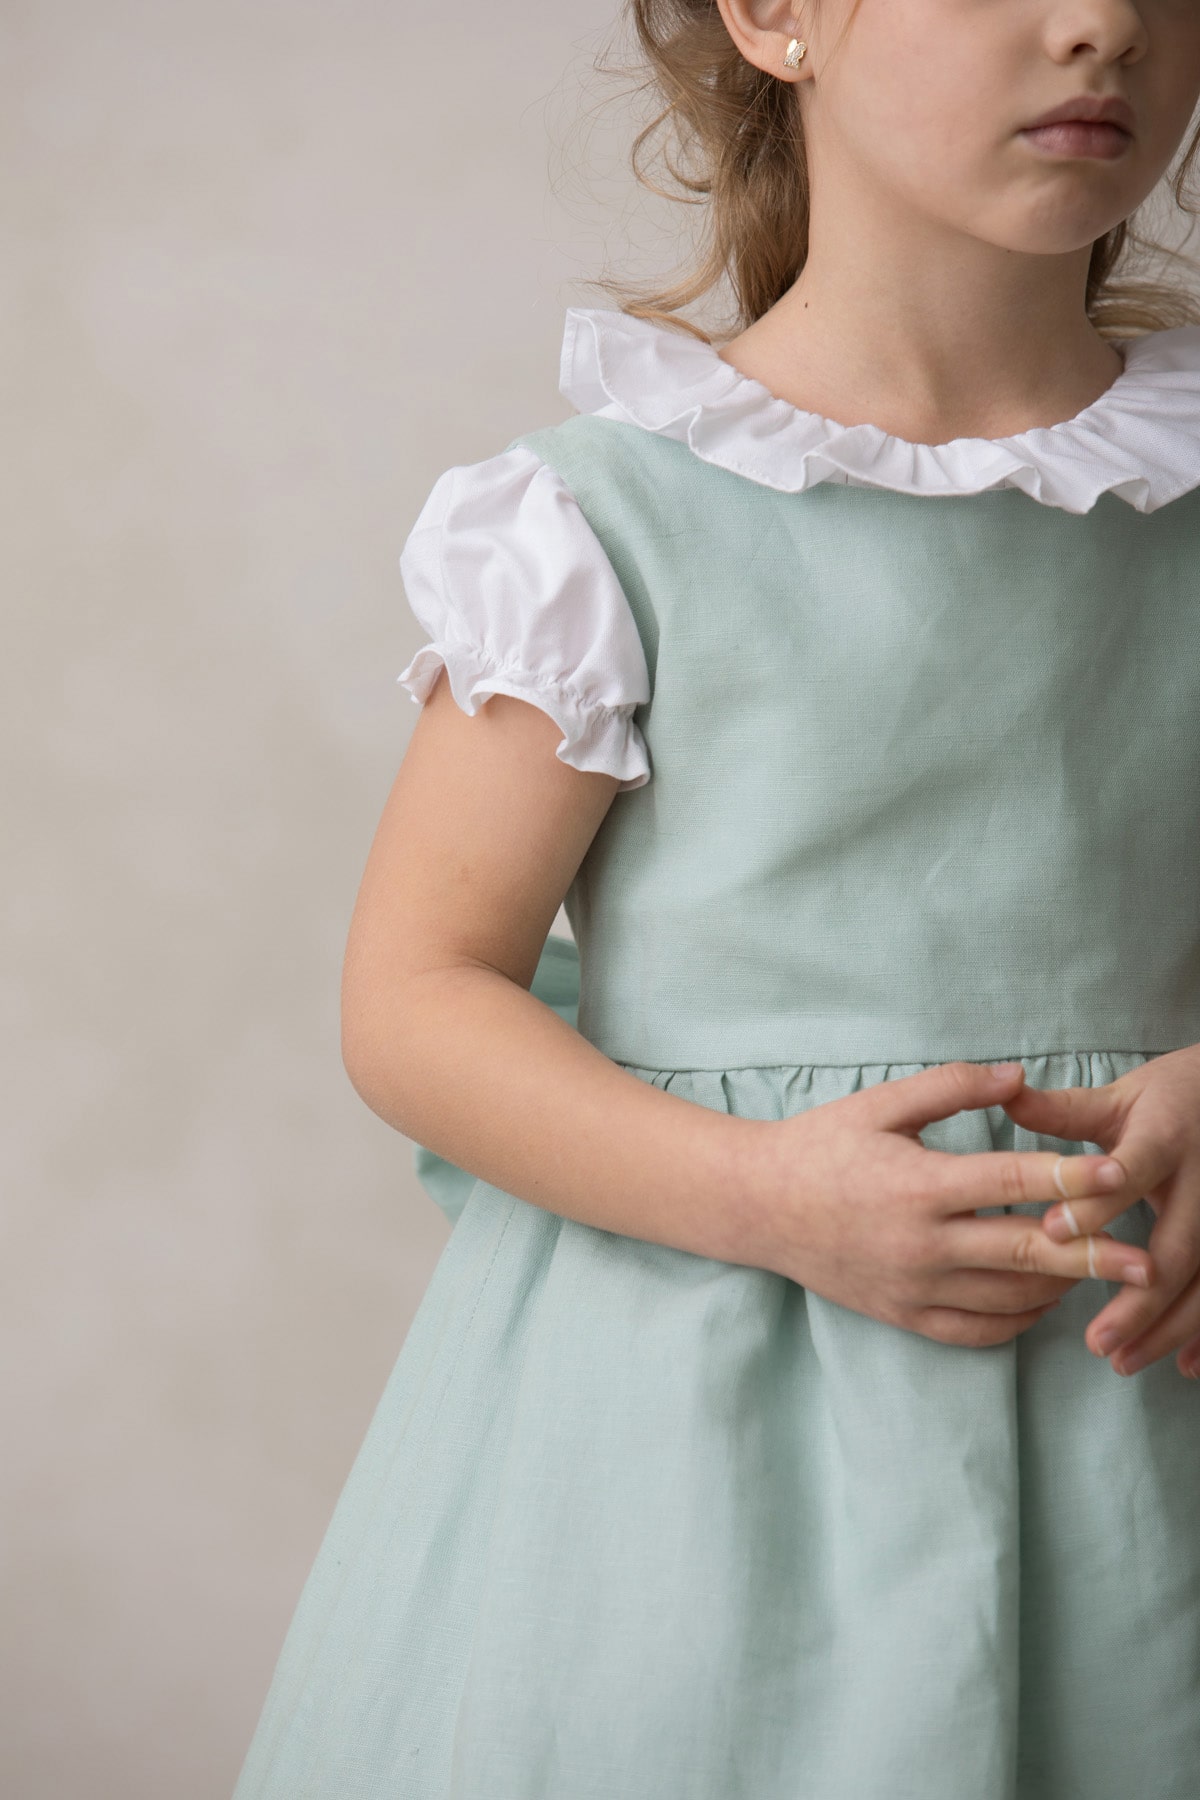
(795,51)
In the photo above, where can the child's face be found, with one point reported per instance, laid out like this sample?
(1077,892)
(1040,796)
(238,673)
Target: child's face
(923,101)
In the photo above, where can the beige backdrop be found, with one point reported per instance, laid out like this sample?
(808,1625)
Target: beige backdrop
(269,267)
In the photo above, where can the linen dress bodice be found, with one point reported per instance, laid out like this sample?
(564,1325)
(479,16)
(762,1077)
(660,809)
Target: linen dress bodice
(926,772)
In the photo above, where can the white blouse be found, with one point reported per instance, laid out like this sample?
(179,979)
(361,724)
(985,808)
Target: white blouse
(506,576)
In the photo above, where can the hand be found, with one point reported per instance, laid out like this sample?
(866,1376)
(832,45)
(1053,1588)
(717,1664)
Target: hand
(849,1202)
(1149,1119)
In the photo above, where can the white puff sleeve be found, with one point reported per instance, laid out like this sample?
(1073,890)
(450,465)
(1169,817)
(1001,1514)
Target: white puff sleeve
(518,597)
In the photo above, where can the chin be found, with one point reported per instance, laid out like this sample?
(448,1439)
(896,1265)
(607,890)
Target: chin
(1054,231)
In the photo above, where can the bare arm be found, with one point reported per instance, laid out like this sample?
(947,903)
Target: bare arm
(478,843)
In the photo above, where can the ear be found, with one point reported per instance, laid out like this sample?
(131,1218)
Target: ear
(762,31)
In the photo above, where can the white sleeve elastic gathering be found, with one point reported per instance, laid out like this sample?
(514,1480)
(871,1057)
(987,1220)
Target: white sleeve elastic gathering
(518,597)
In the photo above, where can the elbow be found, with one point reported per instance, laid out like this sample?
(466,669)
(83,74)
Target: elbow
(354,1062)
(361,1068)
(369,1039)
(389,1029)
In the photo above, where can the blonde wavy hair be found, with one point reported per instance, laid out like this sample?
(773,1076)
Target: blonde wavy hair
(740,129)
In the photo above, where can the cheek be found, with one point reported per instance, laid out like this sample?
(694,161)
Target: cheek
(935,153)
(925,127)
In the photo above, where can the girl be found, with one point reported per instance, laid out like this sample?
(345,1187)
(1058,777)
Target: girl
(754,1439)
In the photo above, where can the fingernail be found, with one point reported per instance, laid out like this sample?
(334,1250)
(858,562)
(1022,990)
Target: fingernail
(1135,1272)
(1002,1071)
(1107,1340)
(1110,1175)
(1057,1227)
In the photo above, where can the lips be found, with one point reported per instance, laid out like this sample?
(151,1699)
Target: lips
(1089,109)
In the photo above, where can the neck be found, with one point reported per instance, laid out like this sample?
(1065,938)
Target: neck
(929,334)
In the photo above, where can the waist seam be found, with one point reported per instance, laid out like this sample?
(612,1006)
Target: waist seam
(884,1062)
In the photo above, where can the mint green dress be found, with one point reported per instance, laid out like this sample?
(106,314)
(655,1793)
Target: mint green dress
(924,783)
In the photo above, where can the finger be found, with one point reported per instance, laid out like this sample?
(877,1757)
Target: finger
(1021,1244)
(954,1325)
(1176,1326)
(1147,1160)
(911,1101)
(1079,1218)
(1079,1114)
(998,1290)
(1188,1360)
(1175,1249)
(969,1180)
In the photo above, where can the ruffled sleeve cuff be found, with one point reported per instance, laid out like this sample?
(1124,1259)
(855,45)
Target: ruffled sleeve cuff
(518,597)
(595,737)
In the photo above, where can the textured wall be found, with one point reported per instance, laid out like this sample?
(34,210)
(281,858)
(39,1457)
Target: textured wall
(268,269)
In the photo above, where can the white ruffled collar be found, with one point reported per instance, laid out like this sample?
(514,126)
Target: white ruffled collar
(1140,440)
